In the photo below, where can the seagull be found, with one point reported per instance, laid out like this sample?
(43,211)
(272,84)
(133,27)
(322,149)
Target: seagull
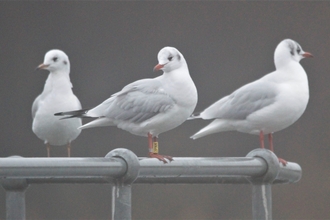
(149,107)
(266,105)
(56,96)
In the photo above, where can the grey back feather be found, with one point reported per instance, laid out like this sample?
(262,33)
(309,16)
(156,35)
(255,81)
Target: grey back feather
(243,102)
(138,101)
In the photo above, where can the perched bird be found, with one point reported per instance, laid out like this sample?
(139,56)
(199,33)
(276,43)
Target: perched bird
(266,105)
(56,96)
(149,107)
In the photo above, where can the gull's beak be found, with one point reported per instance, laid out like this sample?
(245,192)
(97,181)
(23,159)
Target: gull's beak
(307,55)
(42,66)
(158,67)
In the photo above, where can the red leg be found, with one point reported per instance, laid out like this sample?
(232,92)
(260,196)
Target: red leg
(261,138)
(271,147)
(270,139)
(150,143)
(153,149)
(282,161)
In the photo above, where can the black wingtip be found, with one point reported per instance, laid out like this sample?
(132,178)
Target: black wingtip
(194,116)
(73,114)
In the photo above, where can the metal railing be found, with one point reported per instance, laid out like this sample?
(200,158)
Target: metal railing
(122,168)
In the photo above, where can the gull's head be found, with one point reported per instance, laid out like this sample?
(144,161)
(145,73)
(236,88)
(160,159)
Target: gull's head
(169,58)
(55,60)
(288,50)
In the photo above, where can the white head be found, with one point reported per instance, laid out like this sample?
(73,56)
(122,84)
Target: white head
(289,50)
(55,60)
(169,58)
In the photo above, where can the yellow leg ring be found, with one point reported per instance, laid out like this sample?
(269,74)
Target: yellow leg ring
(155,147)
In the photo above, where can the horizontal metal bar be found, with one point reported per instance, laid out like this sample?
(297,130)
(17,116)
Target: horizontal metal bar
(262,167)
(234,170)
(201,170)
(290,173)
(48,169)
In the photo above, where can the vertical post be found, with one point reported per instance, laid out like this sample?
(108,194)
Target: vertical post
(262,185)
(121,201)
(15,204)
(262,201)
(122,189)
(15,198)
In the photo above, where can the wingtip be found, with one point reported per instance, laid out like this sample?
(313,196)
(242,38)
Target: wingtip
(73,114)
(67,117)
(194,116)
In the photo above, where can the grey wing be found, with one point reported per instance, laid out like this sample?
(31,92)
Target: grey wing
(243,102)
(35,106)
(138,102)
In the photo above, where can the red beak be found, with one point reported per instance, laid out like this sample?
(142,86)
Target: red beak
(307,55)
(158,67)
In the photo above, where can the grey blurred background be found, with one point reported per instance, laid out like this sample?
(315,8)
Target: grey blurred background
(110,44)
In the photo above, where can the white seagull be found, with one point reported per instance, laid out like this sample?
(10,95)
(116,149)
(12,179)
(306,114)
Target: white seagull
(56,96)
(266,105)
(148,107)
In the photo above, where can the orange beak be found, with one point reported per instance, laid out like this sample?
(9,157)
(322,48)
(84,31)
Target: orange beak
(307,55)
(158,67)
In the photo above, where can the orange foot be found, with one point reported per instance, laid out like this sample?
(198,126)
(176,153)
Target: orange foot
(160,157)
(282,161)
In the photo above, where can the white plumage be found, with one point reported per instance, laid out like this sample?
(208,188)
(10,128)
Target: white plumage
(149,107)
(56,96)
(266,105)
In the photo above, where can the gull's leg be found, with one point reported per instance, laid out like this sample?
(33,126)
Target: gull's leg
(150,143)
(48,149)
(153,149)
(261,138)
(69,149)
(271,147)
(270,140)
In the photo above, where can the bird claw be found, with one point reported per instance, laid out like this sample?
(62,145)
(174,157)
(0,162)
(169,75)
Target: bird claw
(282,161)
(161,157)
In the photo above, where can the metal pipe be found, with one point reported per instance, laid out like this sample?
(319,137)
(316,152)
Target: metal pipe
(62,168)
(235,170)
(122,168)
(122,189)
(15,205)
(198,166)
(121,201)
(262,201)
(15,198)
(201,170)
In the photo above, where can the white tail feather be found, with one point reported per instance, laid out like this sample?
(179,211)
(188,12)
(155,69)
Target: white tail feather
(100,122)
(214,127)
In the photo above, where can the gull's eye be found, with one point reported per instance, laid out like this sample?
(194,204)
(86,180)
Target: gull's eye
(55,59)
(298,50)
(170,58)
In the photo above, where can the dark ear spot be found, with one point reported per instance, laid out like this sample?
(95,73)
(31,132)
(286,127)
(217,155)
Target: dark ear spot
(298,50)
